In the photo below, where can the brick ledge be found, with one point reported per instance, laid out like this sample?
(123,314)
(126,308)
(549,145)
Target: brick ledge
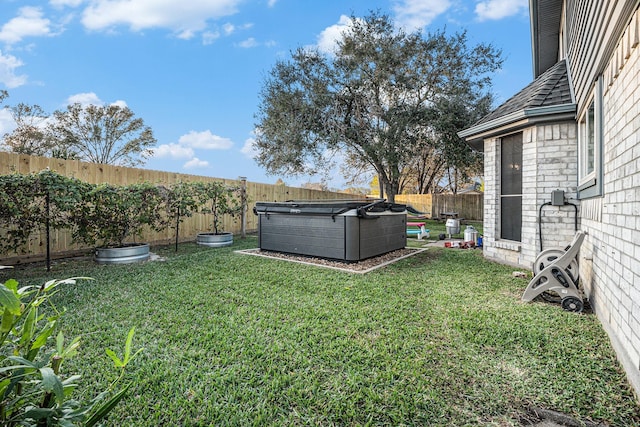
(509,245)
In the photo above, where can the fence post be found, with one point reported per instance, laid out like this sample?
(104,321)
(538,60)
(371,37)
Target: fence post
(47,225)
(243,200)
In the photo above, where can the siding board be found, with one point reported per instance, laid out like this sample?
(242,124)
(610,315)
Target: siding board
(594,30)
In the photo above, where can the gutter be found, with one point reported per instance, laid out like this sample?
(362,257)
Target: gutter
(517,119)
(533,16)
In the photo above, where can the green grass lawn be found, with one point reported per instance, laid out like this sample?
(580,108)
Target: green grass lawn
(440,338)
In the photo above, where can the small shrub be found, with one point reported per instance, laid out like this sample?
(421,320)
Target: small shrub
(218,199)
(110,214)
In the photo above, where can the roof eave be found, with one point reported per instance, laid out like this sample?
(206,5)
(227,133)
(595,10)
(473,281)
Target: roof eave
(474,136)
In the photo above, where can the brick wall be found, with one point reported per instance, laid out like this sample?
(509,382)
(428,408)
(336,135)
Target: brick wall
(549,157)
(610,259)
(610,255)
(557,169)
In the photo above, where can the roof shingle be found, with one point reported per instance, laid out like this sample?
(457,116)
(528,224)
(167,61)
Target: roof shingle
(551,88)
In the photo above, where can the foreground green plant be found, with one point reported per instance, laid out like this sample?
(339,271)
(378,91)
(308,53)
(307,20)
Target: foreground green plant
(34,391)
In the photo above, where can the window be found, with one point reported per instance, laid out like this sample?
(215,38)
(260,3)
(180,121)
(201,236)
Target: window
(587,142)
(511,187)
(590,137)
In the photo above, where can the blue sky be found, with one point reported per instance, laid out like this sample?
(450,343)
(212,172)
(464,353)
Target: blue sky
(193,69)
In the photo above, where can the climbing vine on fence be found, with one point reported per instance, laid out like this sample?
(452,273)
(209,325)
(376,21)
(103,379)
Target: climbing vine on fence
(105,214)
(109,214)
(30,203)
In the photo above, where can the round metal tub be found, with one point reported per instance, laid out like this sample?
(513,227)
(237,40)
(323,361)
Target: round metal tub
(215,240)
(134,252)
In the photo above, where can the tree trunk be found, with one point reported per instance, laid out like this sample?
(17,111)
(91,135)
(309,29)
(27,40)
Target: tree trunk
(392,189)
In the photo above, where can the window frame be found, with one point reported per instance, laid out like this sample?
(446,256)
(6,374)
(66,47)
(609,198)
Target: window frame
(510,195)
(590,144)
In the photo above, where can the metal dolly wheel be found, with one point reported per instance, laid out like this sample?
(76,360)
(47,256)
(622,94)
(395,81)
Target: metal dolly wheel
(556,276)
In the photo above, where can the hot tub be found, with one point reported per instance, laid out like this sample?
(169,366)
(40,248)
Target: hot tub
(343,230)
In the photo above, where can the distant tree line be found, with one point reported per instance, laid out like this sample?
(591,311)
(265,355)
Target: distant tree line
(108,134)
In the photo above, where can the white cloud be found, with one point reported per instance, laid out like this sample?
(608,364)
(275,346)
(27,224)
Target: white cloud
(28,23)
(205,140)
(208,37)
(272,3)
(186,34)
(87,98)
(187,146)
(120,103)
(90,98)
(498,9)
(417,14)
(329,36)
(228,28)
(249,148)
(174,151)
(183,17)
(196,163)
(8,76)
(248,43)
(63,3)
(6,121)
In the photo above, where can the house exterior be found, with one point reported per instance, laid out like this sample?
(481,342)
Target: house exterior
(576,129)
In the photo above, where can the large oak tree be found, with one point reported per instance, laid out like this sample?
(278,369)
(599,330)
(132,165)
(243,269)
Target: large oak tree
(376,99)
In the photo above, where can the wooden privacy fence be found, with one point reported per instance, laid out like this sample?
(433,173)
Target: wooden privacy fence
(99,173)
(468,206)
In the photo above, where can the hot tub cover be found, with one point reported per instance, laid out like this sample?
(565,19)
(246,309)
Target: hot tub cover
(362,208)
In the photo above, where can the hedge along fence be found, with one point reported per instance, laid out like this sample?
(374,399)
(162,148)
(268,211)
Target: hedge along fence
(62,240)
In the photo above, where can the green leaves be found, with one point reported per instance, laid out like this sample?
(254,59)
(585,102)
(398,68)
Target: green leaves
(109,214)
(33,389)
(370,100)
(69,351)
(217,199)
(51,383)
(23,205)
(104,215)
(8,298)
(102,410)
(128,357)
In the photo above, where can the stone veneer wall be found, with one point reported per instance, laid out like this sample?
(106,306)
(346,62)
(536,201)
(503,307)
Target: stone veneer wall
(549,157)
(610,259)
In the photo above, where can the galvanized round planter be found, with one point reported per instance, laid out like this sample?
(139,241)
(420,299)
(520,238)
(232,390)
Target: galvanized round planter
(130,253)
(215,240)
